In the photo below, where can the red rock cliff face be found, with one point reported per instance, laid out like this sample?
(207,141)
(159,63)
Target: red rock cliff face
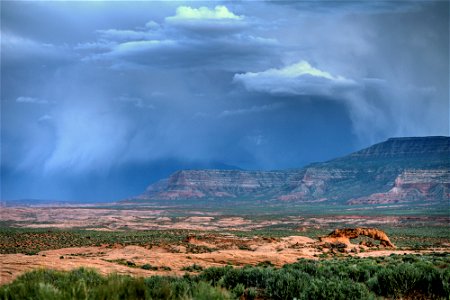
(413,185)
(313,186)
(219,184)
(397,170)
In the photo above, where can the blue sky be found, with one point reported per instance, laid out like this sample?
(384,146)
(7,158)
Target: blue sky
(101,98)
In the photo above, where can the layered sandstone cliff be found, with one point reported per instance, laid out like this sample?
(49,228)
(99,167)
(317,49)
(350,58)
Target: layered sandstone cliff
(220,184)
(413,185)
(397,170)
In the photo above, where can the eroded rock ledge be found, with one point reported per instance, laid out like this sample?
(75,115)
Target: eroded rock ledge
(346,234)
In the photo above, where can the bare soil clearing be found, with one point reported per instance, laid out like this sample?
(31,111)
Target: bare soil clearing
(109,219)
(171,259)
(229,239)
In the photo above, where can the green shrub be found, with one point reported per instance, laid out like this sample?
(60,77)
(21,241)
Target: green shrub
(238,290)
(130,263)
(149,267)
(204,291)
(265,264)
(214,274)
(334,289)
(407,279)
(251,293)
(248,276)
(287,284)
(397,276)
(192,268)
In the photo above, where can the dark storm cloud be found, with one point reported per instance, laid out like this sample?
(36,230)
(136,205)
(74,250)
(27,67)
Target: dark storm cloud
(400,71)
(192,38)
(125,35)
(120,94)
(20,51)
(349,7)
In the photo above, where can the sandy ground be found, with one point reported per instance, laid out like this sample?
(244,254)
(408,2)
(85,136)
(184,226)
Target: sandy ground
(226,249)
(277,251)
(146,218)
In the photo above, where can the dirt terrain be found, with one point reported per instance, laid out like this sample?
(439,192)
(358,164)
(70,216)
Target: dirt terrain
(205,239)
(215,250)
(151,218)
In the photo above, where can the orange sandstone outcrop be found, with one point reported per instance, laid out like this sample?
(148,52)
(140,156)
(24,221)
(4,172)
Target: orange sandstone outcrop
(346,234)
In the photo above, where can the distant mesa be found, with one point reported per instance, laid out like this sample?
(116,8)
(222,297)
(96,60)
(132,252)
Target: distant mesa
(399,170)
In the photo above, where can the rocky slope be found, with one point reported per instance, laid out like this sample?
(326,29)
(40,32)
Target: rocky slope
(220,184)
(397,170)
(413,185)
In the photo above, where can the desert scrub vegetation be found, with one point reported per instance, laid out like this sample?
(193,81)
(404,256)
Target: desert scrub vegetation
(392,277)
(192,268)
(31,241)
(131,264)
(123,262)
(423,237)
(88,284)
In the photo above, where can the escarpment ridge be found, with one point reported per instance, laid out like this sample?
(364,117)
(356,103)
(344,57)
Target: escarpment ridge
(399,170)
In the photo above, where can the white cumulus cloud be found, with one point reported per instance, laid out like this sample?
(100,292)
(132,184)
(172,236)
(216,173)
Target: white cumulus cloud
(220,12)
(297,79)
(207,21)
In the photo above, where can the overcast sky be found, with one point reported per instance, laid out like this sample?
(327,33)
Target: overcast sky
(98,99)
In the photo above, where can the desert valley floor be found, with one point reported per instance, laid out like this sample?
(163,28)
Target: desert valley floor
(159,241)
